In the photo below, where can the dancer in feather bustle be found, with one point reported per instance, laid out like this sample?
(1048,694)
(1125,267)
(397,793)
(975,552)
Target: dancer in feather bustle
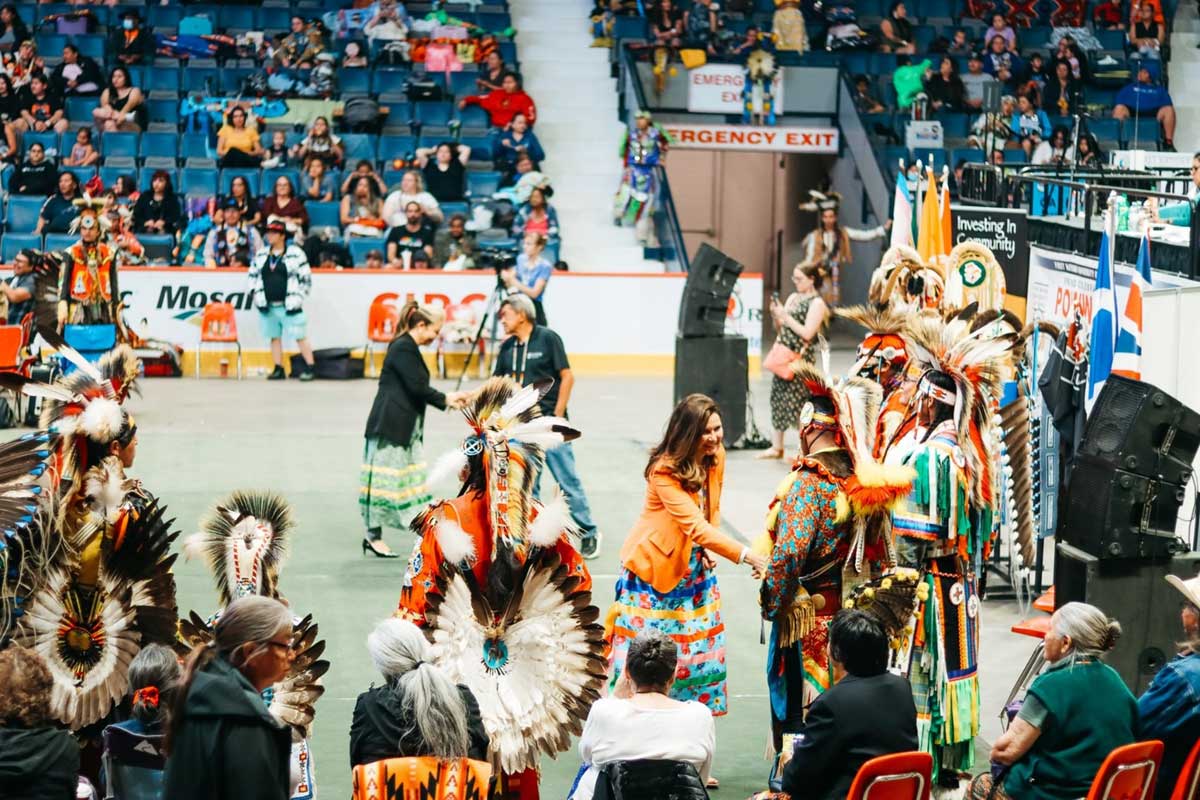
(244,540)
(502,591)
(90,294)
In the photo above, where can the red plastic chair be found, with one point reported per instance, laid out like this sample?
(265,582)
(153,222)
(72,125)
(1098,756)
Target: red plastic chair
(1187,787)
(900,776)
(383,318)
(218,323)
(1128,773)
(1045,601)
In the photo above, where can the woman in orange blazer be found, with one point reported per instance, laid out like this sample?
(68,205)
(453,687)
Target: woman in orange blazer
(667,579)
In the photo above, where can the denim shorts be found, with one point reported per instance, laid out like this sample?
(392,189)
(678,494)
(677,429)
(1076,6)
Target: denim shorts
(275,323)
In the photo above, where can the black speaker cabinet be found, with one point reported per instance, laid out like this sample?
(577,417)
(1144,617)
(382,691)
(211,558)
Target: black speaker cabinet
(1134,593)
(705,302)
(717,366)
(1141,429)
(1112,513)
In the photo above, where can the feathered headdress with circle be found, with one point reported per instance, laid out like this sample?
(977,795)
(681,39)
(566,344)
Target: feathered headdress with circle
(884,340)
(244,539)
(905,282)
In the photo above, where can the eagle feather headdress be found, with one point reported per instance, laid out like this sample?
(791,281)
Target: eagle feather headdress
(906,282)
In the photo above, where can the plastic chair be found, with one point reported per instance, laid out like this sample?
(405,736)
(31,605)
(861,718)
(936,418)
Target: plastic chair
(1045,601)
(134,764)
(1187,786)
(218,323)
(459,779)
(899,776)
(383,318)
(1128,773)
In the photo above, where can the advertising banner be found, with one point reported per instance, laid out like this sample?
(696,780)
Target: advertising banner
(717,89)
(1003,230)
(1060,283)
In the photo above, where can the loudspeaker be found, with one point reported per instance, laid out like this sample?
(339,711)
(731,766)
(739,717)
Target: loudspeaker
(717,366)
(705,302)
(1135,593)
(1141,429)
(1113,513)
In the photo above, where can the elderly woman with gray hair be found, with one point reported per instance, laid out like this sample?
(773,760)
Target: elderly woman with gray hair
(1075,713)
(418,711)
(640,721)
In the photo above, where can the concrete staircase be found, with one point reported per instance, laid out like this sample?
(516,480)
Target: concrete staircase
(1185,76)
(579,129)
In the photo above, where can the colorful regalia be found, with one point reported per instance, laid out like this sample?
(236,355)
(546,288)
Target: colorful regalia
(642,148)
(501,590)
(758,84)
(244,540)
(904,283)
(882,358)
(827,531)
(974,276)
(89,294)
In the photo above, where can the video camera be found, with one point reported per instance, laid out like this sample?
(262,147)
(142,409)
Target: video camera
(495,258)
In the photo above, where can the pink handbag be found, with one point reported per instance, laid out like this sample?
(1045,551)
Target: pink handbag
(779,361)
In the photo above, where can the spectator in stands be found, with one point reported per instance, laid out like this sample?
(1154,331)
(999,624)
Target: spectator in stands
(973,82)
(445,174)
(365,169)
(492,74)
(13,29)
(59,208)
(1155,9)
(1030,124)
(411,190)
(868,712)
(417,233)
(1001,28)
(36,175)
(374,259)
(125,189)
(510,143)
(295,42)
(83,153)
(617,726)
(864,101)
(353,56)
(283,204)
(1035,74)
(25,65)
(788,27)
(945,89)
(504,103)
(960,44)
(1062,93)
(320,143)
(277,155)
(896,31)
(1067,50)
(41,111)
(1055,150)
(1090,154)
(1146,35)
(239,193)
(1108,15)
(77,75)
(1000,63)
(666,26)
(1179,213)
(131,44)
(536,216)
(362,211)
(532,273)
(231,243)
(10,111)
(700,25)
(158,210)
(280,281)
(39,759)
(317,183)
(122,105)
(390,23)
(1075,713)
(454,245)
(204,214)
(1144,99)
(18,289)
(237,142)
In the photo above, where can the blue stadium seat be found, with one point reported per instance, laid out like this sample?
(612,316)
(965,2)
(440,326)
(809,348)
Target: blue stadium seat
(195,145)
(1015,156)
(1035,39)
(195,79)
(159,145)
(16,242)
(109,175)
(474,118)
(79,109)
(251,175)
(163,111)
(92,45)
(934,158)
(119,144)
(145,174)
(29,13)
(954,126)
(59,241)
(1105,129)
(22,213)
(493,21)
(361,245)
(164,19)
(508,51)
(198,181)
(433,114)
(275,18)
(269,176)
(84,174)
(481,147)
(48,140)
(241,18)
(1111,40)
(50,43)
(389,81)
(1142,130)
(463,83)
(354,81)
(357,147)
(876,8)
(232,77)
(938,9)
(923,36)
(972,155)
(162,79)
(483,184)
(393,146)
(631,28)
(324,214)
(452,208)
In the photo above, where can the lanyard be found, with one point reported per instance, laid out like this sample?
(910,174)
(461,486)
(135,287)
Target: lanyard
(520,375)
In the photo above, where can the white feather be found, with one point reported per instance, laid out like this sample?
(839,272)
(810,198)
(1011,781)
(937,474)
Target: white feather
(81,363)
(520,402)
(539,432)
(455,544)
(449,466)
(553,518)
(102,419)
(196,546)
(48,392)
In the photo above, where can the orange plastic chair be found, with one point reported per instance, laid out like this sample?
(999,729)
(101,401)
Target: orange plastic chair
(12,339)
(1187,787)
(1045,601)
(405,778)
(383,318)
(1037,627)
(899,776)
(1128,773)
(218,323)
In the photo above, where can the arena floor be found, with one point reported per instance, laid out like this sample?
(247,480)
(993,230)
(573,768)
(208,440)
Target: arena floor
(198,440)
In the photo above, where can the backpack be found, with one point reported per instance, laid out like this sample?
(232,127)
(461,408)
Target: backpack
(361,115)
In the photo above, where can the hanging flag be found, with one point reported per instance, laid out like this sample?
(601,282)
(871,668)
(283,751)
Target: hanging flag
(1102,339)
(902,212)
(947,222)
(929,232)
(1127,360)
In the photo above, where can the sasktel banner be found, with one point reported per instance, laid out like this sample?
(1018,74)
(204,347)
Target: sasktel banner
(603,314)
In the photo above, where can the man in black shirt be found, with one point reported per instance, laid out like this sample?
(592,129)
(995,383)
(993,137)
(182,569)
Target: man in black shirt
(36,175)
(532,353)
(445,168)
(40,109)
(417,233)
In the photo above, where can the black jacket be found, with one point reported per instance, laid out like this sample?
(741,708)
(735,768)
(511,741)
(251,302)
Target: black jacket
(404,391)
(379,728)
(38,764)
(856,720)
(228,745)
(90,73)
(30,178)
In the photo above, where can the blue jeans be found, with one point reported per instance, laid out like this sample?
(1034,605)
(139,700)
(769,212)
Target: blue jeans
(561,461)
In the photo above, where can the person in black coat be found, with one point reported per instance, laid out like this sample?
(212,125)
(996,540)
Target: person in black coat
(393,473)
(418,711)
(77,75)
(38,760)
(868,712)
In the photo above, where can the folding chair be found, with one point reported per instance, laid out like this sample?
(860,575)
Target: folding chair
(383,318)
(133,764)
(460,779)
(218,323)
(1187,786)
(1128,773)
(900,776)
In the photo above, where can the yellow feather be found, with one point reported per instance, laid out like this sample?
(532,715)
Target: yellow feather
(785,485)
(843,508)
(772,517)
(870,473)
(762,545)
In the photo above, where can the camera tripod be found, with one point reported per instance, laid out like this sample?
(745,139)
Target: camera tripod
(490,310)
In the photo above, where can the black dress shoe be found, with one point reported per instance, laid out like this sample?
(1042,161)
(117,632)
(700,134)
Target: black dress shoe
(277,374)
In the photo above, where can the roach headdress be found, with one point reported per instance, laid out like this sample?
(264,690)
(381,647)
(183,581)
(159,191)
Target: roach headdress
(244,539)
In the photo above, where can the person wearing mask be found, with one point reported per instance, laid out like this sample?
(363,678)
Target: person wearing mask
(454,245)
(18,289)
(232,243)
(39,760)
(532,273)
(444,168)
(280,282)
(131,44)
(945,88)
(41,111)
(238,144)
(158,210)
(868,712)
(36,175)
(616,726)
(1060,737)
(1030,124)
(896,31)
(504,104)
(1145,98)
(283,205)
(221,740)
(59,209)
(411,190)
(1170,708)
(534,353)
(510,143)
(77,75)
(417,233)
(418,711)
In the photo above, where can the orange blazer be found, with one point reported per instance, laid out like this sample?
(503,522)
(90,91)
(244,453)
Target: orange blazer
(658,548)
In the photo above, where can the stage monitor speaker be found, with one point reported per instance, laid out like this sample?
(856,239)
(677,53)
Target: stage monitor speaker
(1112,513)
(705,302)
(1134,593)
(717,366)
(1141,429)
